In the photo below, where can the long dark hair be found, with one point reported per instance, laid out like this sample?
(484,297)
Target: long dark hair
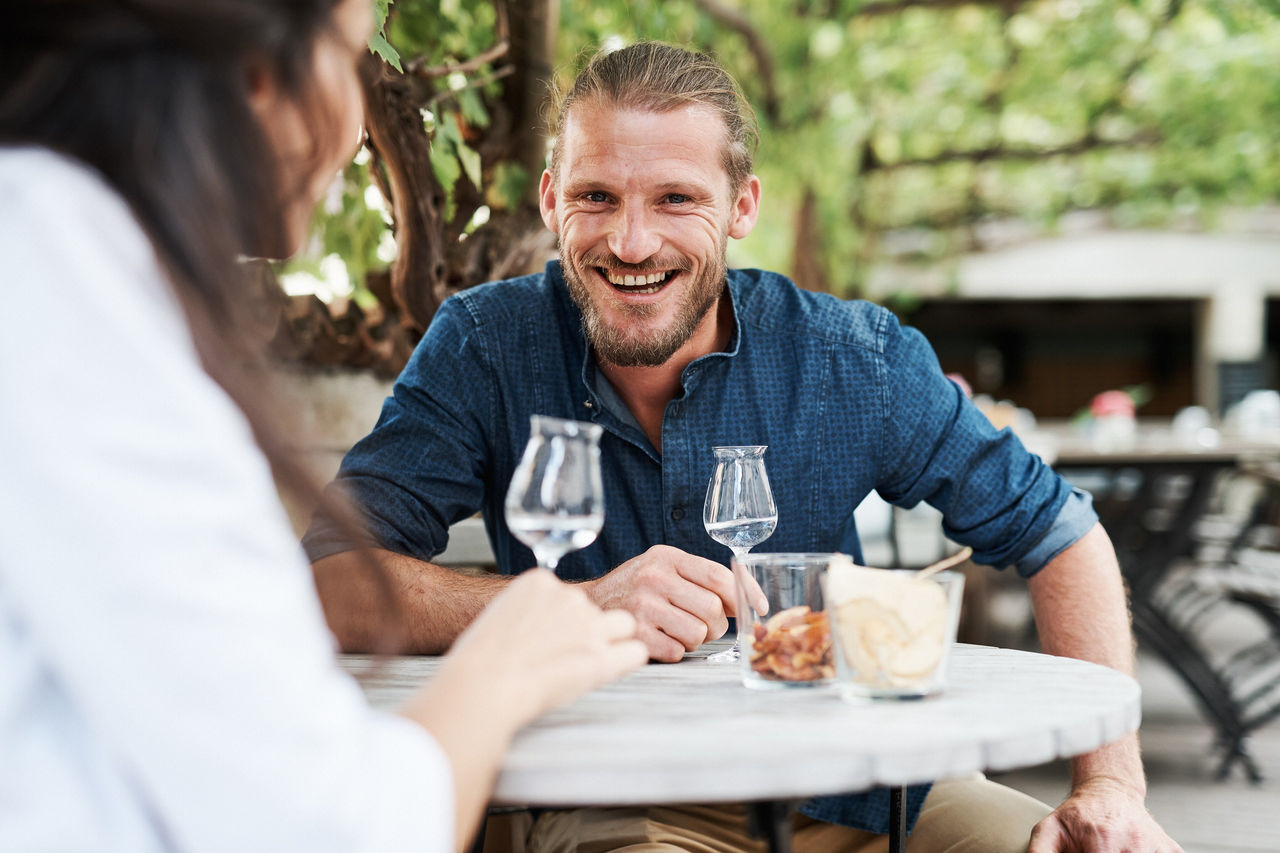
(154,96)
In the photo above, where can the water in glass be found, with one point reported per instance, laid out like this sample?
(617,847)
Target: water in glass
(555,503)
(739,512)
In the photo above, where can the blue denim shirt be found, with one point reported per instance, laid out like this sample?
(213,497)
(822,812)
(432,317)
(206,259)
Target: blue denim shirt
(846,399)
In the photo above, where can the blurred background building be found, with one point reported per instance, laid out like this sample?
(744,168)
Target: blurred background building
(1049,323)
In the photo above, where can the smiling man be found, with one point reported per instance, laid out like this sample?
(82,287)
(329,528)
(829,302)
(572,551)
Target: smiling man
(641,328)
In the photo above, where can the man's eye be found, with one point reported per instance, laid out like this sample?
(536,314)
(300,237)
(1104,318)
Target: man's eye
(595,197)
(677,198)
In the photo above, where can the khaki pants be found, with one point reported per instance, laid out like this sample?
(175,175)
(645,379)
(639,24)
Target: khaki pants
(972,815)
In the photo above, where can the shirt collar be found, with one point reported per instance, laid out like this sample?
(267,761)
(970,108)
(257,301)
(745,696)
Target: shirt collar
(597,390)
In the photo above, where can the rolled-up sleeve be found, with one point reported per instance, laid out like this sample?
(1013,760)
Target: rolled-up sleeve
(1075,519)
(423,467)
(994,495)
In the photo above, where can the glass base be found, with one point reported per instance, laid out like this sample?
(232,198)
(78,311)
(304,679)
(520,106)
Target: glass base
(757,683)
(860,693)
(729,655)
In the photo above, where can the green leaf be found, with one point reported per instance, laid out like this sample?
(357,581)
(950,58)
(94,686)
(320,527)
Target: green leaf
(445,164)
(378,44)
(507,188)
(470,159)
(447,134)
(471,105)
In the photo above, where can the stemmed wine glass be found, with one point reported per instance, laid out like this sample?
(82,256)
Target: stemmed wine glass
(739,512)
(555,503)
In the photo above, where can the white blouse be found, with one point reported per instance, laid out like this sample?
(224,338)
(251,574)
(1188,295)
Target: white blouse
(167,681)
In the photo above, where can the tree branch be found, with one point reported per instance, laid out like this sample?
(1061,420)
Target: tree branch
(1136,62)
(1003,153)
(741,24)
(475,83)
(419,68)
(893,7)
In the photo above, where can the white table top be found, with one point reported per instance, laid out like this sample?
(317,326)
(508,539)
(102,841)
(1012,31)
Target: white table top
(690,732)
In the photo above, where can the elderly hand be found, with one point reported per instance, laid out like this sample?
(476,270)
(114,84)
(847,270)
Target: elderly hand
(1101,815)
(680,601)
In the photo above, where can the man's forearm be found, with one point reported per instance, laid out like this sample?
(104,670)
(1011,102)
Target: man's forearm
(434,604)
(1081,612)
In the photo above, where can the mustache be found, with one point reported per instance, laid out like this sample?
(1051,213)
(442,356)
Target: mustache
(610,261)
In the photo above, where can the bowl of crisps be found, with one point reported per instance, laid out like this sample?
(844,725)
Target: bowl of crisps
(892,629)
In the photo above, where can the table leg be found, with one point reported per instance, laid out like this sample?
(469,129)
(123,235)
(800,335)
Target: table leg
(772,820)
(897,820)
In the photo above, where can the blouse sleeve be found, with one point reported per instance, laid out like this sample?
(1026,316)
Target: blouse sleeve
(153,571)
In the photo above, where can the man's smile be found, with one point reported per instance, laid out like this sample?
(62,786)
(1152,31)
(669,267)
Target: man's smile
(637,283)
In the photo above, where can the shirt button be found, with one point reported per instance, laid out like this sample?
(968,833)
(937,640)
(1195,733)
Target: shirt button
(677,513)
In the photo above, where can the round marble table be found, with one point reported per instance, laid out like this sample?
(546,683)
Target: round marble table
(690,732)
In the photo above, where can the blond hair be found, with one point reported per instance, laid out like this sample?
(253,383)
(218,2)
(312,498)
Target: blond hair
(660,77)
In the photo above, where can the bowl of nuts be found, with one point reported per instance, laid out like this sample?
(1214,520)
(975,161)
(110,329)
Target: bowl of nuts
(782,622)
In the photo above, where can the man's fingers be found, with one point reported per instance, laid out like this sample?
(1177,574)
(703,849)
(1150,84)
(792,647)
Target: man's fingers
(1045,836)
(686,629)
(755,595)
(703,605)
(710,576)
(660,646)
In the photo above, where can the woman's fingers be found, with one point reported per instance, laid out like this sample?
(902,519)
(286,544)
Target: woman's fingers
(617,624)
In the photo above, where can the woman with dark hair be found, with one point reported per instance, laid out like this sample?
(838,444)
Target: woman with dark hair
(168,682)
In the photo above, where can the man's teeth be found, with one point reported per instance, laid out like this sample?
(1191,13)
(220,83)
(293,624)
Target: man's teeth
(650,283)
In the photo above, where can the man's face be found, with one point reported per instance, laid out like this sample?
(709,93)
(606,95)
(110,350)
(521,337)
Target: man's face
(643,209)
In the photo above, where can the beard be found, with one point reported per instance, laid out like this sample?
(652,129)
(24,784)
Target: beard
(631,346)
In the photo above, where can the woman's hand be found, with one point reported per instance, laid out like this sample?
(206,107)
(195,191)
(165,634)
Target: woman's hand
(538,644)
(541,642)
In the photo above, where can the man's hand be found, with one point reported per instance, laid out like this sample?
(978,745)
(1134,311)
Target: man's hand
(1100,816)
(1081,612)
(680,601)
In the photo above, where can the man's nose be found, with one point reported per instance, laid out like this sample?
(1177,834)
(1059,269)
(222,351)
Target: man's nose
(632,236)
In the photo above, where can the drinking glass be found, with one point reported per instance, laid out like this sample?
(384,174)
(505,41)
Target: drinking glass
(555,503)
(739,512)
(782,620)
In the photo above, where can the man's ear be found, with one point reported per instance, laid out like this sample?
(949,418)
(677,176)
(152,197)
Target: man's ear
(547,201)
(745,209)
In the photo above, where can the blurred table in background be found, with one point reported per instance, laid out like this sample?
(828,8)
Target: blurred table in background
(1180,512)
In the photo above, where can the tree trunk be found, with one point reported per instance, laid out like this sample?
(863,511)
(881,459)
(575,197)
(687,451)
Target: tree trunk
(432,260)
(533,33)
(399,140)
(806,262)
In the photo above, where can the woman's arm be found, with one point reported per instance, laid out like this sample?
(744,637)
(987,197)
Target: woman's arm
(539,644)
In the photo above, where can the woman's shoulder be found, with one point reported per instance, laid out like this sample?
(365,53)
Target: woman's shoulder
(32,174)
(52,203)
(80,258)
